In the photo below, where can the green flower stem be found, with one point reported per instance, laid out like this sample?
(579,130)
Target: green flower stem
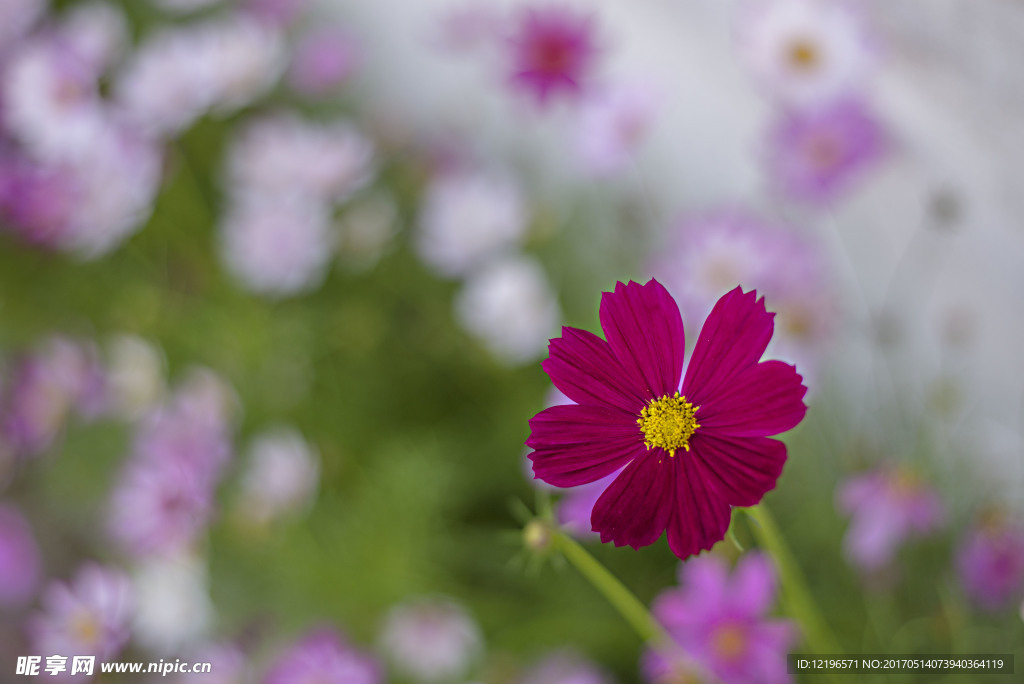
(798,600)
(628,605)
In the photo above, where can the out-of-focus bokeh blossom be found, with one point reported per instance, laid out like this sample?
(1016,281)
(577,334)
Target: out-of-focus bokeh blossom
(322,61)
(720,620)
(281,474)
(134,376)
(705,255)
(20,562)
(887,506)
(324,655)
(612,125)
(173,606)
(510,307)
(431,640)
(467,216)
(277,246)
(552,52)
(990,562)
(805,51)
(91,614)
(817,154)
(566,667)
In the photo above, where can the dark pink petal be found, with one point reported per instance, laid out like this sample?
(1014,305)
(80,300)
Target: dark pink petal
(740,469)
(577,444)
(584,368)
(636,507)
(645,330)
(701,517)
(733,338)
(763,400)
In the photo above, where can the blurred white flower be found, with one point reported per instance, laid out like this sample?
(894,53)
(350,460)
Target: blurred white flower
(179,74)
(277,246)
(135,376)
(173,602)
(283,154)
(468,216)
(509,305)
(431,639)
(612,124)
(51,103)
(97,31)
(280,477)
(804,51)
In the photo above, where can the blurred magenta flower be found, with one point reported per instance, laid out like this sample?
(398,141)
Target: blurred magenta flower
(552,52)
(805,51)
(565,667)
(88,616)
(37,201)
(612,125)
(886,506)
(468,215)
(817,154)
(708,254)
(718,620)
(431,640)
(324,656)
(990,562)
(687,457)
(20,561)
(322,61)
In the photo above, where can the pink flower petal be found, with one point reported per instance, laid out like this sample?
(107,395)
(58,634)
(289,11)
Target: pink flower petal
(763,400)
(740,469)
(577,444)
(645,330)
(636,507)
(753,584)
(733,338)
(585,369)
(700,517)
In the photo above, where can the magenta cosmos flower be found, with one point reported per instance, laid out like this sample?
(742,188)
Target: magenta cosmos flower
(553,51)
(688,453)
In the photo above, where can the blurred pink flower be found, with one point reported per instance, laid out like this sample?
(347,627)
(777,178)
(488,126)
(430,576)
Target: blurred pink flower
(324,656)
(710,254)
(718,619)
(20,562)
(612,124)
(553,50)
(886,506)
(322,61)
(576,506)
(281,475)
(37,201)
(163,500)
(280,13)
(805,51)
(88,616)
(16,18)
(817,154)
(990,563)
(565,667)
(431,639)
(58,377)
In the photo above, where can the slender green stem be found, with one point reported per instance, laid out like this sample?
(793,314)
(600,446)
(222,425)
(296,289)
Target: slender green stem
(798,600)
(628,605)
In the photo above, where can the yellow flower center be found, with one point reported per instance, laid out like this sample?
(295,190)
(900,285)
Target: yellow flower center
(729,642)
(803,54)
(668,423)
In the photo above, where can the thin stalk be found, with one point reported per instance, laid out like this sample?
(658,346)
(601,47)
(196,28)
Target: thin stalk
(798,600)
(624,601)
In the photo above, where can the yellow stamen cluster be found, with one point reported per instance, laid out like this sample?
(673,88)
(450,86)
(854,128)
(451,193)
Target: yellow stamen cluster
(668,423)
